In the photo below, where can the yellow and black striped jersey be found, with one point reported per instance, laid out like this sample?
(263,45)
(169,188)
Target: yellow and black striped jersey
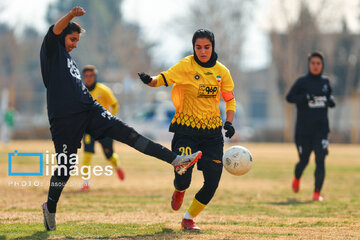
(103,95)
(196,96)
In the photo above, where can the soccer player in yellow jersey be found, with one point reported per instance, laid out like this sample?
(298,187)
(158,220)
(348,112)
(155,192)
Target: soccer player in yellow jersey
(198,82)
(103,95)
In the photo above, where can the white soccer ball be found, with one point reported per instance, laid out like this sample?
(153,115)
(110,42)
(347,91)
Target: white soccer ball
(237,160)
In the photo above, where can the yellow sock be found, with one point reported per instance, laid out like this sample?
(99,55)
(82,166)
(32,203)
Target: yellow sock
(86,162)
(195,208)
(114,160)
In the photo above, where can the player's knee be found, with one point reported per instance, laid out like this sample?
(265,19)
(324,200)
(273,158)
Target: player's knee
(304,161)
(61,175)
(182,185)
(138,141)
(63,171)
(211,186)
(320,165)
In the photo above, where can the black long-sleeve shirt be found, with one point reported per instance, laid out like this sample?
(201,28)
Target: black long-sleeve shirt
(310,94)
(66,93)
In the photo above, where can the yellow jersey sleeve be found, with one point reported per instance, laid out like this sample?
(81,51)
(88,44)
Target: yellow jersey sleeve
(173,74)
(112,99)
(227,93)
(227,84)
(104,95)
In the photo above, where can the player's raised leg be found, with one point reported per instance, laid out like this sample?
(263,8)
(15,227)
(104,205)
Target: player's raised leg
(103,124)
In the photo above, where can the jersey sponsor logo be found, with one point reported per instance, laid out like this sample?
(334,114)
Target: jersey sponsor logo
(208,73)
(319,102)
(218,78)
(74,71)
(208,90)
(197,77)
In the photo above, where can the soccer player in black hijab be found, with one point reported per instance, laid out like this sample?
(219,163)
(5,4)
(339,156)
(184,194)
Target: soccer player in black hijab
(312,95)
(199,81)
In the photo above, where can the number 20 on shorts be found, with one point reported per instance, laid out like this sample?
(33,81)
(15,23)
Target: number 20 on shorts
(185,150)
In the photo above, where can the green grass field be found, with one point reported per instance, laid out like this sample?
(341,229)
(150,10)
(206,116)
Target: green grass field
(259,205)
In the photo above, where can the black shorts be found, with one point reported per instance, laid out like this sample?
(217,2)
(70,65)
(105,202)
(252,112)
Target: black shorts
(317,142)
(211,147)
(67,132)
(89,143)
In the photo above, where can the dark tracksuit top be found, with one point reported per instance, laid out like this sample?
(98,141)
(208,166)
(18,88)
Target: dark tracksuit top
(312,116)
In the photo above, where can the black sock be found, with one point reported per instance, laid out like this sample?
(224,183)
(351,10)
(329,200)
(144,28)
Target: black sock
(57,184)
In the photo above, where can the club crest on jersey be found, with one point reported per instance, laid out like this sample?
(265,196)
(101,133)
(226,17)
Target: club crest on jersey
(197,77)
(218,78)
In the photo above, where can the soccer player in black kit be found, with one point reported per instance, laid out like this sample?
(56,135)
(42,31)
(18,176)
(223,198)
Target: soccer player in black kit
(312,95)
(72,112)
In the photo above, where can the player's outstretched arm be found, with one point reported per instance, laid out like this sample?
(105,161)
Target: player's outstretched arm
(147,79)
(64,21)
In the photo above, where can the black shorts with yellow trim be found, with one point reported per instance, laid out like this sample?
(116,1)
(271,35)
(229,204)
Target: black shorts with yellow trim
(211,146)
(106,143)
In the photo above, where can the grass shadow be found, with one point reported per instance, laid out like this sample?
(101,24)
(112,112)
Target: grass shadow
(166,233)
(38,235)
(289,201)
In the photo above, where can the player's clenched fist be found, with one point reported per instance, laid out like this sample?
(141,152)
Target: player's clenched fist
(77,11)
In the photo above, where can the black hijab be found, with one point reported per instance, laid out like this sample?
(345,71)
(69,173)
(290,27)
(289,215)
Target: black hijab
(204,33)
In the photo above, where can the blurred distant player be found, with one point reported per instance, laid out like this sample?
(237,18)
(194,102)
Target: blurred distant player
(103,95)
(199,81)
(312,95)
(72,111)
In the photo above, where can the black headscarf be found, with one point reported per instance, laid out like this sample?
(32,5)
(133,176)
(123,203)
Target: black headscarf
(204,33)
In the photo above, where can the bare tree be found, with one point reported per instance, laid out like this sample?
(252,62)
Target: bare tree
(289,52)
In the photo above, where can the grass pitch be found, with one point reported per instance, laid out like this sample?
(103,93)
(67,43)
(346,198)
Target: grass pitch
(259,205)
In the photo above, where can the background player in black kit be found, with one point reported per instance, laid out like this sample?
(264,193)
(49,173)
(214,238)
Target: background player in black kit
(312,95)
(72,111)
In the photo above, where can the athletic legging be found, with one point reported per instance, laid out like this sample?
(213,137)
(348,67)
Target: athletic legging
(307,144)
